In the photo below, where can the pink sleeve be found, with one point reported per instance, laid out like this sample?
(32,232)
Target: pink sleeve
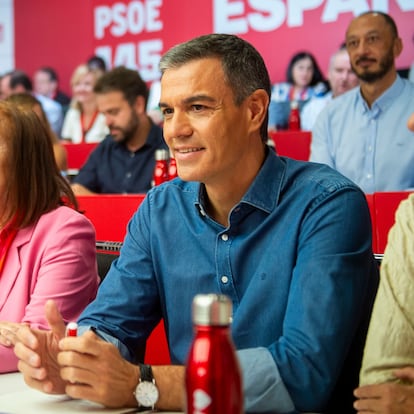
(67,272)
(8,360)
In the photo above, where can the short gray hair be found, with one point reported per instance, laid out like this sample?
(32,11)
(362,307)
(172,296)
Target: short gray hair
(243,66)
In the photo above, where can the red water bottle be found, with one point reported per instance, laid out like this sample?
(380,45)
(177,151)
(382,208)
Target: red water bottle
(213,379)
(172,168)
(161,167)
(294,117)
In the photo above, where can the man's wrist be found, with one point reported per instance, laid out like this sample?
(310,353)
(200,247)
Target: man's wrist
(133,385)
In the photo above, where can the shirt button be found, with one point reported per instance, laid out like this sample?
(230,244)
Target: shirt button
(224,279)
(132,154)
(369,175)
(128,175)
(224,237)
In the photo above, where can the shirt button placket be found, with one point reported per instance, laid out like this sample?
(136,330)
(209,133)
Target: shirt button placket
(224,279)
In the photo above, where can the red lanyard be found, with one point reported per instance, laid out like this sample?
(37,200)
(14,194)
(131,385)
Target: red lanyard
(84,128)
(292,92)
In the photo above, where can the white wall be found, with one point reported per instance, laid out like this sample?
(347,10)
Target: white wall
(6,36)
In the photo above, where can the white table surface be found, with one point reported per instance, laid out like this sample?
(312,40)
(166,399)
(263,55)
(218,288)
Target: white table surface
(17,398)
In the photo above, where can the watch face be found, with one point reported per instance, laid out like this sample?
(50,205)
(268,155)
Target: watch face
(146,393)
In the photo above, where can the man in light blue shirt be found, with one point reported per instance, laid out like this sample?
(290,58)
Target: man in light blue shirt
(363,133)
(288,241)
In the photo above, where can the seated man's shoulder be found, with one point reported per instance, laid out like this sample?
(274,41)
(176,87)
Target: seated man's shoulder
(174,190)
(341,106)
(320,178)
(409,87)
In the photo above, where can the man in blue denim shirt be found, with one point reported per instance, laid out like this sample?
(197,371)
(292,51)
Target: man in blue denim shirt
(289,242)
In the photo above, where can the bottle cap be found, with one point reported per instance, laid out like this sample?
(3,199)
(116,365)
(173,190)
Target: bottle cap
(161,154)
(212,309)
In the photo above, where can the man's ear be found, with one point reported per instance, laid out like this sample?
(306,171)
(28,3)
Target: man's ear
(139,105)
(398,47)
(258,103)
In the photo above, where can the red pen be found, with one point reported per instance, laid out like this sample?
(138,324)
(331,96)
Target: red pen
(72,329)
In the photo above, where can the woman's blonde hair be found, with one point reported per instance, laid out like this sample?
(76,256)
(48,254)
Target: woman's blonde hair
(80,72)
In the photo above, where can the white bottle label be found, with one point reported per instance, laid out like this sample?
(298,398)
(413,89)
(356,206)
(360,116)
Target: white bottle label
(201,401)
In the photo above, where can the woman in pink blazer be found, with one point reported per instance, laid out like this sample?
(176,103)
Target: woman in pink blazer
(47,248)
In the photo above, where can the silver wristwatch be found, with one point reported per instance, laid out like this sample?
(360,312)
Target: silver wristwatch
(146,393)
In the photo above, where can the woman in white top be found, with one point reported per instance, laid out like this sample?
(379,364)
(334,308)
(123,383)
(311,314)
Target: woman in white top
(83,122)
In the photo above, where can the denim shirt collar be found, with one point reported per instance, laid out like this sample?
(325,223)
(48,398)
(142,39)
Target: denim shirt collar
(264,191)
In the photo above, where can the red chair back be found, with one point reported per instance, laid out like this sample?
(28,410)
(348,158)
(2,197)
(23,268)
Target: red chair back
(78,154)
(371,206)
(157,352)
(386,203)
(110,213)
(292,144)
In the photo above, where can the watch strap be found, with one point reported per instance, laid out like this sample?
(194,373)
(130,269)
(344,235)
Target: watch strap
(146,372)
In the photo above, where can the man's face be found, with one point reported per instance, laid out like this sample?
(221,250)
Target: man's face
(341,76)
(42,84)
(372,47)
(5,90)
(207,132)
(121,119)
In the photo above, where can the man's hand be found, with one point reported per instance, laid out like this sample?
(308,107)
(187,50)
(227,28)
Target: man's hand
(37,352)
(94,370)
(387,398)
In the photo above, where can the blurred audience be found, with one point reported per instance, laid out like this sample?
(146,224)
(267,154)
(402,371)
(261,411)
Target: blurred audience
(341,79)
(387,374)
(18,81)
(28,102)
(304,80)
(363,133)
(47,249)
(46,83)
(83,122)
(5,89)
(411,71)
(124,162)
(96,63)
(153,105)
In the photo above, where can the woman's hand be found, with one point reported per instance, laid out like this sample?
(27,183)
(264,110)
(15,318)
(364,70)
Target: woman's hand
(38,350)
(8,332)
(388,398)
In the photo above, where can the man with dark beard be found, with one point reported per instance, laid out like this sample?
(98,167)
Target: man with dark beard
(124,161)
(363,133)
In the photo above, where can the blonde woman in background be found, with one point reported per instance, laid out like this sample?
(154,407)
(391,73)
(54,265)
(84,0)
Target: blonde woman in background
(26,101)
(83,122)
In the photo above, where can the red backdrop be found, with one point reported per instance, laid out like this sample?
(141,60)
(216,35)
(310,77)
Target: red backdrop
(63,34)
